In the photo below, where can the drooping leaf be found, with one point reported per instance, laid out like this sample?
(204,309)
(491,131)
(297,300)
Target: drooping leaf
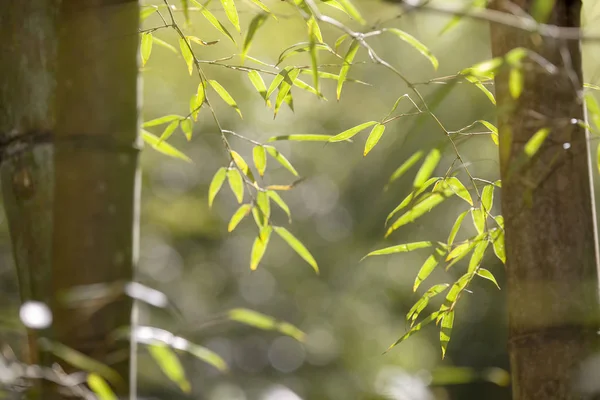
(428,266)
(373,138)
(461,250)
(277,80)
(413,198)
(459,189)
(474,80)
(215,184)
(297,246)
(240,162)
(279,201)
(535,142)
(401,248)
(305,86)
(100,387)
(236,184)
(147,11)
(346,67)
(260,246)
(456,227)
(336,5)
(477,255)
(263,7)
(163,147)
(259,154)
(429,165)
(280,158)
(406,165)
(420,305)
(168,131)
(231,12)
(264,322)
(347,134)
(238,216)
(213,20)
(284,87)
(479,218)
(259,85)
(264,205)
(303,47)
(162,120)
(498,244)
(484,273)
(224,94)
(169,363)
(184,46)
(487,197)
(420,47)
(485,69)
(340,40)
(415,329)
(446,330)
(187,127)
(314,36)
(199,41)
(146,47)
(164,44)
(593,109)
(256,23)
(302,138)
(352,11)
(516,80)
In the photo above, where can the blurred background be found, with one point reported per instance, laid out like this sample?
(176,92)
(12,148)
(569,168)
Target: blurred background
(353,310)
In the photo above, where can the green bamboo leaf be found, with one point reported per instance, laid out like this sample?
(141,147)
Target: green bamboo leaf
(493,130)
(302,138)
(284,88)
(199,41)
(591,86)
(461,250)
(498,244)
(487,197)
(187,126)
(259,219)
(279,201)
(347,134)
(225,96)
(264,206)
(484,273)
(146,47)
(194,107)
(346,66)
(259,247)
(457,18)
(206,355)
(340,40)
(263,7)
(479,218)
(485,69)
(259,84)
(256,23)
(516,80)
(231,12)
(168,131)
(456,227)
(100,387)
(238,216)
(164,44)
(264,322)
(336,5)
(163,147)
(297,246)
(147,11)
(420,47)
(289,101)
(305,86)
(278,79)
(352,11)
(459,189)
(401,248)
(303,47)
(259,154)
(446,330)
(533,145)
(420,305)
(427,268)
(215,184)
(169,363)
(406,165)
(280,159)
(593,109)
(373,138)
(213,20)
(184,46)
(457,287)
(427,168)
(477,255)
(481,87)
(240,162)
(236,184)
(162,120)
(314,36)
(419,209)
(415,329)
(411,198)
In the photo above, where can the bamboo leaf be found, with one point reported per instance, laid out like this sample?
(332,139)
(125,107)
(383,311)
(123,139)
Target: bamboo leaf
(420,47)
(187,127)
(411,198)
(147,11)
(236,184)
(346,66)
(256,23)
(263,7)
(352,11)
(162,120)
(484,273)
(374,137)
(279,201)
(259,154)
(487,197)
(347,134)
(231,12)
(260,246)
(297,246)
(184,46)
(481,87)
(446,330)
(459,189)
(498,244)
(240,162)
(479,218)
(163,147)
(284,87)
(215,184)
(264,206)
(420,305)
(277,80)
(169,363)
(406,165)
(146,47)
(427,168)
(264,322)
(535,142)
(477,255)
(100,387)
(401,248)
(461,250)
(302,138)
(259,84)
(238,216)
(415,329)
(213,20)
(224,94)
(280,158)
(427,268)
(418,210)
(336,5)
(168,131)
(314,36)
(516,80)
(456,227)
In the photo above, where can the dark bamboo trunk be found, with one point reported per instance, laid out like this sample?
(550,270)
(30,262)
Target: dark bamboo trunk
(69,166)
(549,219)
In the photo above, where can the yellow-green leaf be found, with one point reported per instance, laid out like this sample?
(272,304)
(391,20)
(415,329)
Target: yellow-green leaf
(100,387)
(461,250)
(215,184)
(187,127)
(280,158)
(259,154)
(259,247)
(259,84)
(479,218)
(289,76)
(401,248)
(352,11)
(263,7)
(498,244)
(162,120)
(264,206)
(314,36)
(346,66)
(146,47)
(432,317)
(481,87)
(484,273)
(164,44)
(240,162)
(533,145)
(224,94)
(446,330)
(184,46)
(411,198)
(419,209)
(213,20)
(420,47)
(516,81)
(459,189)
(169,131)
(427,268)
(236,184)
(256,23)
(477,255)
(277,80)
(169,363)
(297,246)
(347,134)
(456,227)
(429,165)
(279,201)
(487,197)
(264,322)
(406,165)
(238,216)
(147,11)
(163,147)
(231,12)
(374,137)
(420,305)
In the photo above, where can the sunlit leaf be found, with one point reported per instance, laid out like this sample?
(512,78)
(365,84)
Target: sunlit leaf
(100,387)
(256,23)
(297,246)
(415,329)
(278,79)
(302,138)
(347,134)
(305,86)
(373,138)
(411,198)
(263,7)
(231,12)
(304,47)
(187,127)
(406,165)
(593,109)
(535,142)
(264,205)
(259,154)
(169,131)
(336,5)
(240,162)
(264,322)
(340,40)
(213,20)
(420,305)
(481,87)
(280,158)
(184,46)
(352,11)
(284,87)
(279,201)
(461,250)
(162,120)
(238,216)
(260,246)
(258,218)
(169,363)
(516,80)
(215,184)
(147,11)
(485,69)
(146,47)
(236,184)
(420,47)
(479,218)
(163,147)
(456,227)
(225,95)
(427,268)
(259,85)
(487,197)
(401,248)
(484,273)
(429,165)
(201,42)
(477,255)
(446,330)
(346,67)
(314,36)
(459,189)
(498,244)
